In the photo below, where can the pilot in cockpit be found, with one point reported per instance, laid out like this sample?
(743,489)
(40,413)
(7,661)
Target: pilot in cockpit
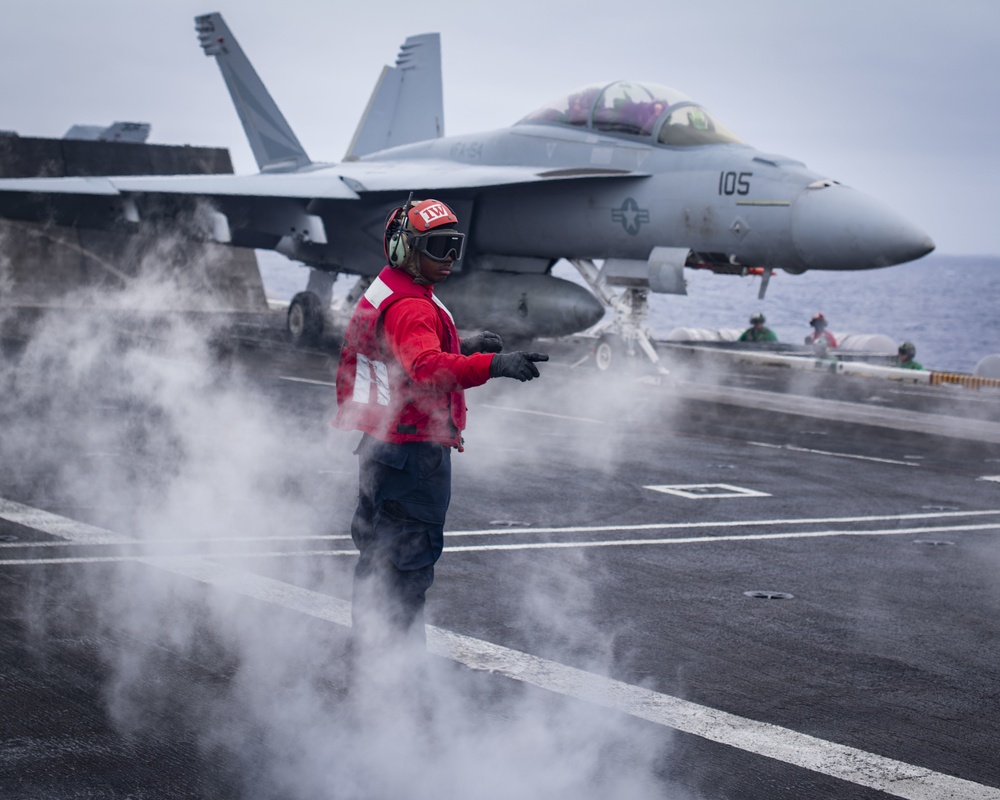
(656,108)
(578,109)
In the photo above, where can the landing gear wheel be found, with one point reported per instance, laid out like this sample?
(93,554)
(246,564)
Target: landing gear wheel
(305,319)
(609,353)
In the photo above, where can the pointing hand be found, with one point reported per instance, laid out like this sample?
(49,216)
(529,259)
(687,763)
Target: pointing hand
(519,365)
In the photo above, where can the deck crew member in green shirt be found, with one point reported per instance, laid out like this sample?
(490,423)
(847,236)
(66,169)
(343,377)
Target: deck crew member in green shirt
(757,332)
(906,353)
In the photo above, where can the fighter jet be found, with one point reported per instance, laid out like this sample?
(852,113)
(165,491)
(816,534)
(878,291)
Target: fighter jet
(636,176)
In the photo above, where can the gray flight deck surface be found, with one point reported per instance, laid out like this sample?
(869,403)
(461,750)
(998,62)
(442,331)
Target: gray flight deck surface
(603,537)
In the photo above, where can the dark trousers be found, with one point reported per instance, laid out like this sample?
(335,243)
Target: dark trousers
(398,527)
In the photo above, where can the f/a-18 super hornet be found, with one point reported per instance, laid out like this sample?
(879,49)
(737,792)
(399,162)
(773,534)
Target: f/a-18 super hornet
(630,182)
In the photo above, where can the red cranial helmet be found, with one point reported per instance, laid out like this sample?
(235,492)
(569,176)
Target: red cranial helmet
(408,228)
(426,215)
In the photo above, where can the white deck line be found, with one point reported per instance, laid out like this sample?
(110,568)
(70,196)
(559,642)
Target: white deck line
(795,449)
(839,761)
(161,560)
(72,532)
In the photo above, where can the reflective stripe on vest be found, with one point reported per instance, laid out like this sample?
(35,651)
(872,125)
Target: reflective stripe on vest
(378,292)
(365,371)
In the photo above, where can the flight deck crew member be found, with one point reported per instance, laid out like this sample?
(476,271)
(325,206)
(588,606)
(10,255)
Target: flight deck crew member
(905,354)
(757,332)
(820,332)
(400,381)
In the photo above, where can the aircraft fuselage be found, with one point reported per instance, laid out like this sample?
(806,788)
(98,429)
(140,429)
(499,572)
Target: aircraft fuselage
(731,199)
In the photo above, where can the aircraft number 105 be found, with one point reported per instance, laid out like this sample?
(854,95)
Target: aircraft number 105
(734,183)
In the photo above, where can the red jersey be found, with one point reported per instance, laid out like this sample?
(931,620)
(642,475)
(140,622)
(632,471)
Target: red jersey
(823,334)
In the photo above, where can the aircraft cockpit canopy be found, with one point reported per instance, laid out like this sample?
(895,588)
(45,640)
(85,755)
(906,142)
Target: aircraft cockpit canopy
(637,109)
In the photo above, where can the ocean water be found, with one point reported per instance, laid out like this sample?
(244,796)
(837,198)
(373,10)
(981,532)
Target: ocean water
(945,305)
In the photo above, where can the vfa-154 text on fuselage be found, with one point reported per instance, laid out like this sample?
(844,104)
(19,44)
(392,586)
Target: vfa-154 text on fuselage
(636,176)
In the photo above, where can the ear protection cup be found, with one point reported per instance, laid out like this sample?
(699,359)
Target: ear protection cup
(395,240)
(399,248)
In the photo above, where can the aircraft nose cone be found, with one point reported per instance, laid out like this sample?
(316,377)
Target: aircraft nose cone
(836,227)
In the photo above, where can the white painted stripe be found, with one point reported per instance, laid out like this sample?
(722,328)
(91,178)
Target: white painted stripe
(305,380)
(655,526)
(78,532)
(850,764)
(543,414)
(995,478)
(81,533)
(796,449)
(750,537)
(164,561)
(36,562)
(690,492)
(859,767)
(23,544)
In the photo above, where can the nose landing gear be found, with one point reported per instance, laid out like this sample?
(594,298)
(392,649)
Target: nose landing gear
(623,341)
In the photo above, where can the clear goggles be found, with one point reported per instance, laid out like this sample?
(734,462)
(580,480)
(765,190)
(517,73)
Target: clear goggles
(441,245)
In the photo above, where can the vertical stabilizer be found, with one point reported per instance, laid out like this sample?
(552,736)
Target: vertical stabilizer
(271,138)
(407,104)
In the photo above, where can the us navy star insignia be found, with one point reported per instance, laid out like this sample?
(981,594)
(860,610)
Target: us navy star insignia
(630,216)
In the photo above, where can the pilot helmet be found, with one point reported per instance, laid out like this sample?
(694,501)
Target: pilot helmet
(818,321)
(907,349)
(758,317)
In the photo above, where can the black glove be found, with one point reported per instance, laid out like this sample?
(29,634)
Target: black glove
(485,342)
(518,365)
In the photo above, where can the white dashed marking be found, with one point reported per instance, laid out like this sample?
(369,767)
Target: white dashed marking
(703,491)
(797,449)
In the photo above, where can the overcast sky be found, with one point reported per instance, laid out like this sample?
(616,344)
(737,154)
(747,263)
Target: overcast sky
(898,99)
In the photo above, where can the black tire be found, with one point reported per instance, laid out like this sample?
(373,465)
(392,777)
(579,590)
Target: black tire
(305,319)
(609,354)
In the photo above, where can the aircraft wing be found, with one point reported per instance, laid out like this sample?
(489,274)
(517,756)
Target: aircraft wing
(255,210)
(290,185)
(318,184)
